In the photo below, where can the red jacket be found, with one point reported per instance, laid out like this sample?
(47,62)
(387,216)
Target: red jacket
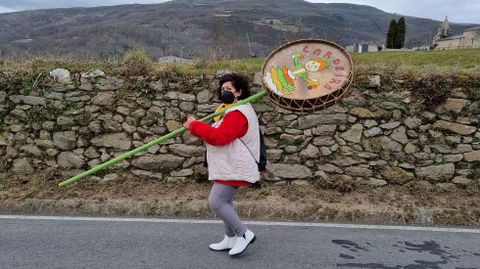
(233,126)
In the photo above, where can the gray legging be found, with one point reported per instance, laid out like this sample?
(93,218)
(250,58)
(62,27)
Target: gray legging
(221,202)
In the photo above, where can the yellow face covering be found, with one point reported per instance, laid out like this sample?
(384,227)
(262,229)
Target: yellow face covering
(220,107)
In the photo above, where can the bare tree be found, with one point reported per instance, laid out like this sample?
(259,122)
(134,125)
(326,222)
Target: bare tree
(222,43)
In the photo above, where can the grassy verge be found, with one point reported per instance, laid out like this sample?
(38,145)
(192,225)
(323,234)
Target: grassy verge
(463,59)
(129,196)
(136,63)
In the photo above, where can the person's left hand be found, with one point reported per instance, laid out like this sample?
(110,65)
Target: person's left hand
(189,121)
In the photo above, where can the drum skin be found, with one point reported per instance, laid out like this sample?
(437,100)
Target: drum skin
(307,74)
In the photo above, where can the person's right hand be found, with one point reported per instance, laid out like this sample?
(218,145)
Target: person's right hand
(189,121)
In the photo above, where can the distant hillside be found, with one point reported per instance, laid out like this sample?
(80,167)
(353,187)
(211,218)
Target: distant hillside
(200,28)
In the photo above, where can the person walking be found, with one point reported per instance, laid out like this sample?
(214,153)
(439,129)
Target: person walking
(233,150)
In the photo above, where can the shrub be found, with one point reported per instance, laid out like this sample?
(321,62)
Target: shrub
(137,63)
(141,86)
(434,87)
(473,87)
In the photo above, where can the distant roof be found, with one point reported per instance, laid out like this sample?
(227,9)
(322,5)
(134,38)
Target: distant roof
(473,29)
(453,37)
(174,59)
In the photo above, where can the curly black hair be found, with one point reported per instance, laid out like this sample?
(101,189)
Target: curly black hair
(238,81)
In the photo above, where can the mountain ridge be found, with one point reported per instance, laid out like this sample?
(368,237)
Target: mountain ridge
(200,28)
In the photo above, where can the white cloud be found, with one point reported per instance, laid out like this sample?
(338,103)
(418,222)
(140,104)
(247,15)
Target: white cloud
(6,10)
(460,11)
(46,4)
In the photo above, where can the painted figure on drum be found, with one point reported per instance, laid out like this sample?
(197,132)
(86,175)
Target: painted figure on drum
(283,78)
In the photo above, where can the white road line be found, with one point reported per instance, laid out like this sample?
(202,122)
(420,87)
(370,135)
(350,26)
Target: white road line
(262,223)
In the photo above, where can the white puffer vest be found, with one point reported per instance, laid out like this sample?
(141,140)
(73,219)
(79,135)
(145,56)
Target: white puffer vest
(233,161)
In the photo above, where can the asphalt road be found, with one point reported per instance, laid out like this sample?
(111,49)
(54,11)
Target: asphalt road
(64,242)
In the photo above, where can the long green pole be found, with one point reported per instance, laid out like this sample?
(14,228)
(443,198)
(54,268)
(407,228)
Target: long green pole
(154,142)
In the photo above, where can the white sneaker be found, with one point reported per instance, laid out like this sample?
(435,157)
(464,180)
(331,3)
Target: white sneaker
(226,244)
(242,243)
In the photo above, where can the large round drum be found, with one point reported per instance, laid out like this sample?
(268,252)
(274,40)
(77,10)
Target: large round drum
(307,75)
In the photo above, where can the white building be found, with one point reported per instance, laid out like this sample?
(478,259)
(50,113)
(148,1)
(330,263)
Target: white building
(470,39)
(365,47)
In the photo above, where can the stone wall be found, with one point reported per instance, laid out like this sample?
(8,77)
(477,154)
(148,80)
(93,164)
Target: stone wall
(374,137)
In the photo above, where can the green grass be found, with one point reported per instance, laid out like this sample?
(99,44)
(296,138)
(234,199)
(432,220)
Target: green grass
(446,60)
(466,58)
(74,65)
(135,63)
(246,66)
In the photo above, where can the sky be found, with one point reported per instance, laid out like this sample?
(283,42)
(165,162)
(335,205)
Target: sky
(459,11)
